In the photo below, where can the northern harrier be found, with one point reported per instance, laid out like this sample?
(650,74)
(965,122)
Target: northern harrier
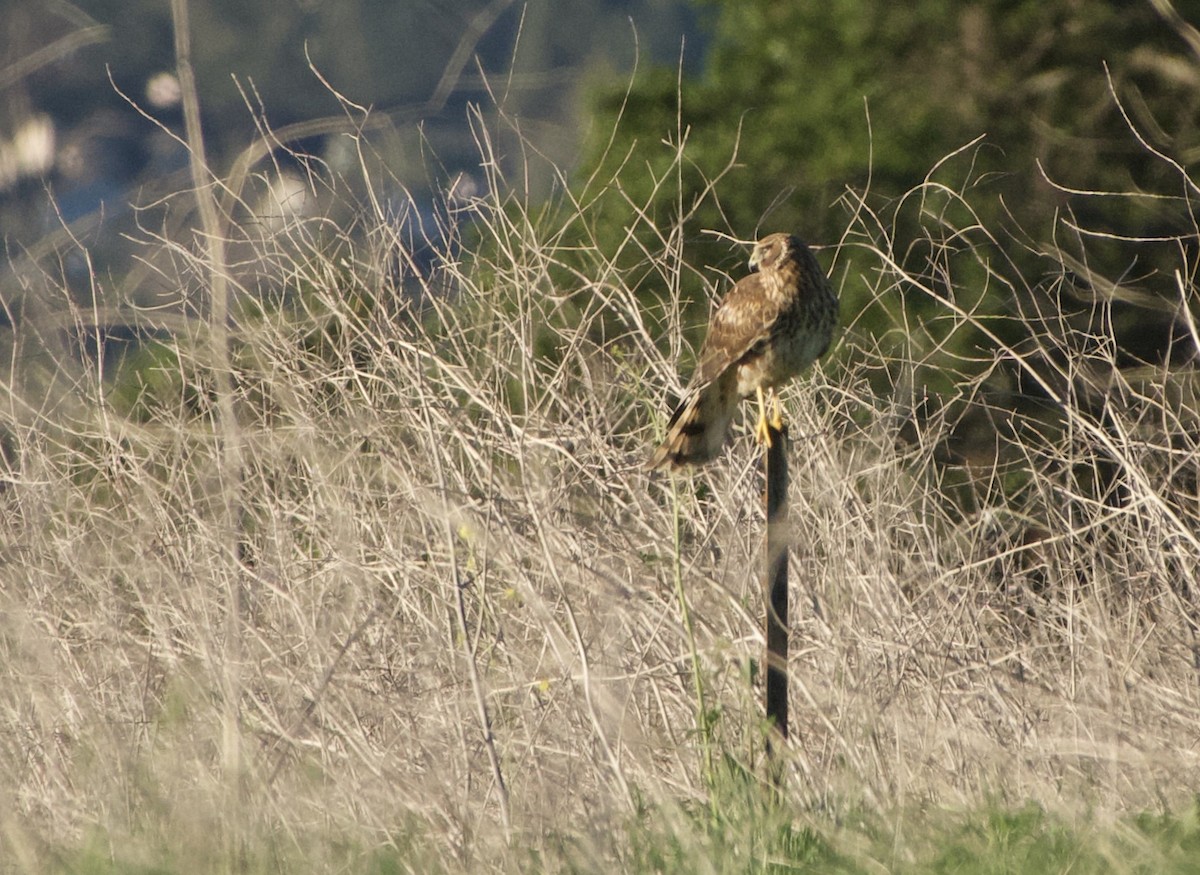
(771,325)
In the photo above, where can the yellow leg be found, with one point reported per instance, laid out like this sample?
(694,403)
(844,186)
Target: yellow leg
(776,412)
(762,433)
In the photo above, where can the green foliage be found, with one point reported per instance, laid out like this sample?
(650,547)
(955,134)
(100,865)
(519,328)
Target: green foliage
(740,830)
(1175,837)
(1030,840)
(1021,840)
(149,379)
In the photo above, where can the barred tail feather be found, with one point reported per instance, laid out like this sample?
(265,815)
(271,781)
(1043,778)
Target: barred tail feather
(697,429)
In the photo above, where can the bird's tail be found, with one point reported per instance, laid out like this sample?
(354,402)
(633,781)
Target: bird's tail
(696,431)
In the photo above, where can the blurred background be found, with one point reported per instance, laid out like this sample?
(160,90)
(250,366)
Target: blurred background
(89,100)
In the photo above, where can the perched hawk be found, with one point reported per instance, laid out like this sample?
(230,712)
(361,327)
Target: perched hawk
(772,325)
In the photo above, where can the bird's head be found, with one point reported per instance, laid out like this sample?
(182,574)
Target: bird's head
(772,250)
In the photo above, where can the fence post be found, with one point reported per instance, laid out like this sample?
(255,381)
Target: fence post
(775,591)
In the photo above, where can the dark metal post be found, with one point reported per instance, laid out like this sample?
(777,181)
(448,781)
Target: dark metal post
(776,588)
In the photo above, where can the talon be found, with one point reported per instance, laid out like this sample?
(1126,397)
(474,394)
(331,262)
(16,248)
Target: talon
(762,433)
(762,430)
(776,412)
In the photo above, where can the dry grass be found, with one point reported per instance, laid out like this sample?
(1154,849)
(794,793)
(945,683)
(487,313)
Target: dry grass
(446,611)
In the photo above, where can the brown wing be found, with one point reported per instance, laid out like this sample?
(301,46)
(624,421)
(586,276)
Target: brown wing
(743,319)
